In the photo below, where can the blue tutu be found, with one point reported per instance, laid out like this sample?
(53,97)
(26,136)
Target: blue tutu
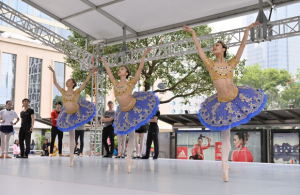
(219,116)
(85,113)
(144,109)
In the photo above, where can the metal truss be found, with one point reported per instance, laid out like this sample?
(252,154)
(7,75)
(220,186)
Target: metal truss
(43,34)
(98,98)
(274,30)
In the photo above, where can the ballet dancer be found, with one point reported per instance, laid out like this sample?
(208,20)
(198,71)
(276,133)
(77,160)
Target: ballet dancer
(7,116)
(231,106)
(134,110)
(75,112)
(140,136)
(121,145)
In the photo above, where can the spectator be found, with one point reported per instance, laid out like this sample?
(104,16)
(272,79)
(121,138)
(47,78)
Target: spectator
(16,148)
(32,145)
(108,130)
(45,148)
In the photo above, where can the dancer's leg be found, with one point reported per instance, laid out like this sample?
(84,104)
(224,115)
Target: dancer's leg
(124,137)
(226,147)
(72,146)
(142,143)
(119,145)
(7,144)
(136,141)
(129,150)
(2,144)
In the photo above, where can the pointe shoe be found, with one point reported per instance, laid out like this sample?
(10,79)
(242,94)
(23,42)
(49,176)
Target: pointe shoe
(50,155)
(128,166)
(71,163)
(225,177)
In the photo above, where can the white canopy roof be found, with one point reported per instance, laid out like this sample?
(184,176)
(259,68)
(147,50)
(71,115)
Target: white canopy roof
(104,19)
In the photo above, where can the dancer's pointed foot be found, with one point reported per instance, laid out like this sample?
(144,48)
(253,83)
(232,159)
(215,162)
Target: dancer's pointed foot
(226,169)
(72,159)
(128,162)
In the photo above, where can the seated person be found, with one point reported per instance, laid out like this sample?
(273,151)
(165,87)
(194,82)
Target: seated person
(45,148)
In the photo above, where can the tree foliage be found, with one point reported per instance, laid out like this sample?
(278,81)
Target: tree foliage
(185,76)
(269,80)
(291,93)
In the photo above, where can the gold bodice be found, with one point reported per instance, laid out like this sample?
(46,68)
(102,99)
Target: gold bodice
(221,72)
(125,89)
(70,98)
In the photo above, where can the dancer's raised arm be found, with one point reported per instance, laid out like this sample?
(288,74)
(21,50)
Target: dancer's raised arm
(244,41)
(54,78)
(198,46)
(111,77)
(139,71)
(88,78)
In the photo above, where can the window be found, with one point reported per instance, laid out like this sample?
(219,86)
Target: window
(173,111)
(4,23)
(180,111)
(195,104)
(52,28)
(22,7)
(42,15)
(180,104)
(188,104)
(34,85)
(173,103)
(63,32)
(59,68)
(8,70)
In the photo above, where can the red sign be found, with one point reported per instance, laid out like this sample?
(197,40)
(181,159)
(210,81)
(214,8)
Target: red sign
(182,153)
(218,153)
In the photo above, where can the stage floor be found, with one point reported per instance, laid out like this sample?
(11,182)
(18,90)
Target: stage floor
(96,175)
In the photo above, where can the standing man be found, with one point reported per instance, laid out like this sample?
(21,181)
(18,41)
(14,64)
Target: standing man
(79,131)
(108,130)
(27,123)
(153,136)
(7,116)
(55,131)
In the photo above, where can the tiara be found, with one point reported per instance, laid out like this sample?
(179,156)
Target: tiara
(224,45)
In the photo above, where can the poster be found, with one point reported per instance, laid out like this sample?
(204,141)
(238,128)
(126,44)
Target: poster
(182,153)
(218,148)
(286,148)
(245,146)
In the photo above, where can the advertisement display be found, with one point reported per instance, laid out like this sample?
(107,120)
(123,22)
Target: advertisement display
(245,146)
(182,153)
(218,148)
(286,148)
(200,145)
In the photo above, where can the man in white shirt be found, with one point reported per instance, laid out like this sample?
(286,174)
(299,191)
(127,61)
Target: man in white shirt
(7,116)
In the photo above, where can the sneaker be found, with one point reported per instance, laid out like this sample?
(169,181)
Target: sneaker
(107,156)
(155,158)
(145,157)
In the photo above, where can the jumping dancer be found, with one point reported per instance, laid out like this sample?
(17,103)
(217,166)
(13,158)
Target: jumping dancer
(231,106)
(134,110)
(75,112)
(7,115)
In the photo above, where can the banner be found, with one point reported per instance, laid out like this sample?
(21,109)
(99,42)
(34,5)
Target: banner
(182,153)
(218,147)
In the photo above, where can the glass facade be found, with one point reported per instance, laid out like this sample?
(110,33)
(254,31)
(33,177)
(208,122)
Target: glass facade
(63,32)
(42,15)
(281,53)
(21,7)
(34,85)
(59,68)
(49,27)
(8,70)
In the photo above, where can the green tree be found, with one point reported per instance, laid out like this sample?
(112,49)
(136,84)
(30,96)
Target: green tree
(39,141)
(268,80)
(291,93)
(185,76)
